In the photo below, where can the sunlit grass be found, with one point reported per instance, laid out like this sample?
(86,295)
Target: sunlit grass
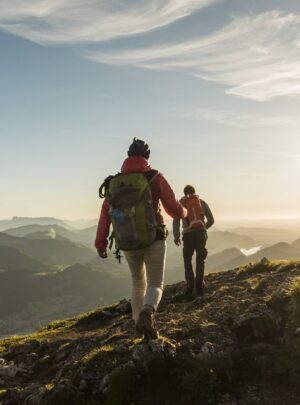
(294,289)
(49,387)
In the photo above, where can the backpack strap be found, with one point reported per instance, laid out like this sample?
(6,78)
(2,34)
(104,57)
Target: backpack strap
(103,189)
(150,176)
(117,251)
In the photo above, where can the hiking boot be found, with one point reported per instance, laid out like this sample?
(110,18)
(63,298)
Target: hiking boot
(145,324)
(137,333)
(200,290)
(189,290)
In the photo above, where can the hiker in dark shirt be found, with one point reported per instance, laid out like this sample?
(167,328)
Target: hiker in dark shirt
(194,236)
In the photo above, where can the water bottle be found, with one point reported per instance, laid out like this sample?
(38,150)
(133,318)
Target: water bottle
(118,216)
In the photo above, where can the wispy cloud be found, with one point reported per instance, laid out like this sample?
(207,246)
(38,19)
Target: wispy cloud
(239,120)
(79,21)
(258,56)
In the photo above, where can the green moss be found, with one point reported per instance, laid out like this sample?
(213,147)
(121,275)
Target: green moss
(59,325)
(114,337)
(66,346)
(272,266)
(255,268)
(49,387)
(294,289)
(258,285)
(287,265)
(137,341)
(20,340)
(96,352)
(102,359)
(224,288)
(14,392)
(94,316)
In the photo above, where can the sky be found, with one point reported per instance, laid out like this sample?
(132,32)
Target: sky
(212,85)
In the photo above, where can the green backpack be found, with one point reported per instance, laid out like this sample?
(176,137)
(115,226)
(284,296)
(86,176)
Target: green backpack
(131,210)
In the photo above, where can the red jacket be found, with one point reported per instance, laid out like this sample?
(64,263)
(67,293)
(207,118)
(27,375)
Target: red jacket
(160,190)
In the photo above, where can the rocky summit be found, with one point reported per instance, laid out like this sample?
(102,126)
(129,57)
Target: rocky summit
(238,345)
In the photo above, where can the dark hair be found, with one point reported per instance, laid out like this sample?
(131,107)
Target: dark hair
(139,148)
(188,190)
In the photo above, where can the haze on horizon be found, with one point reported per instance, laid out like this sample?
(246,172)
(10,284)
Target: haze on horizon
(213,86)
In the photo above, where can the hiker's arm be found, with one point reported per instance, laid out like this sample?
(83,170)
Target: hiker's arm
(208,215)
(103,228)
(168,199)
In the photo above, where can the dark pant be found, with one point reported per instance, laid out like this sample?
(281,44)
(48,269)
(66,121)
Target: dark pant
(194,241)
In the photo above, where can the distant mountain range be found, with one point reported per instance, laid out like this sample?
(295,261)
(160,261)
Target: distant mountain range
(51,251)
(33,291)
(52,241)
(232,258)
(267,236)
(281,250)
(296,244)
(54,231)
(16,222)
(220,240)
(26,230)
(21,221)
(28,300)
(49,269)
(12,259)
(82,223)
(77,281)
(220,259)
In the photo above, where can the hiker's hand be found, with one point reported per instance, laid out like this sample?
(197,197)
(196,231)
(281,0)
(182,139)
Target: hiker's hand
(177,242)
(102,253)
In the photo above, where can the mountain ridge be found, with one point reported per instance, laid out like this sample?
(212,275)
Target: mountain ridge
(239,344)
(15,222)
(82,236)
(52,251)
(44,297)
(12,259)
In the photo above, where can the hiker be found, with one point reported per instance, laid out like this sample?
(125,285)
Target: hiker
(141,235)
(194,226)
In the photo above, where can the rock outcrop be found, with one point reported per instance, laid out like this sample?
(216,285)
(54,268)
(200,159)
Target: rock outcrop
(239,345)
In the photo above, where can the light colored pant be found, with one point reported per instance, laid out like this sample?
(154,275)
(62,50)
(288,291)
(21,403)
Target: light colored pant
(147,270)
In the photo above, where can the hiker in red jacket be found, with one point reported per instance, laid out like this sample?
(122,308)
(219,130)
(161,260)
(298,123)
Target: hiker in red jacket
(146,264)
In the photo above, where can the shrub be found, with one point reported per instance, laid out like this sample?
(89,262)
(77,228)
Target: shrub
(294,293)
